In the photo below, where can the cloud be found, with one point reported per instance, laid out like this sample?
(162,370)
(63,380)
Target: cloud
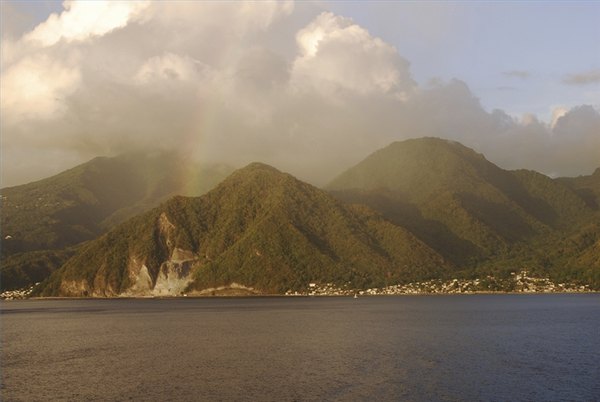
(168,67)
(522,74)
(584,78)
(85,19)
(239,19)
(336,53)
(230,82)
(575,141)
(569,146)
(36,87)
(557,113)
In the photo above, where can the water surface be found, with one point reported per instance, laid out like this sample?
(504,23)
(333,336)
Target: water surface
(419,348)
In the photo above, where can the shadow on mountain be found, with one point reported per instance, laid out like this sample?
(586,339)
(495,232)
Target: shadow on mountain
(516,186)
(394,207)
(504,220)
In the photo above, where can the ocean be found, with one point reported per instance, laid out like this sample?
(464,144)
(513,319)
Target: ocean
(496,347)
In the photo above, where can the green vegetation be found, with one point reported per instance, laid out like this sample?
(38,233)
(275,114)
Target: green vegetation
(260,228)
(415,210)
(81,203)
(480,217)
(22,270)
(587,187)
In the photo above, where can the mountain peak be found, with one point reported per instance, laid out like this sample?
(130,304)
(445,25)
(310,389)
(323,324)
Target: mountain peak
(429,148)
(255,175)
(259,166)
(428,140)
(426,163)
(254,168)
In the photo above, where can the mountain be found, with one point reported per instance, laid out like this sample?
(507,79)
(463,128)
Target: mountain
(81,203)
(588,188)
(259,230)
(463,206)
(417,209)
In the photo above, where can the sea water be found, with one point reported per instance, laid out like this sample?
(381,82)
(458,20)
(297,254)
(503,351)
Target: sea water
(398,348)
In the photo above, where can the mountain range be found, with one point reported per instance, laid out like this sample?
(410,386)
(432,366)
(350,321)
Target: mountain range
(415,210)
(260,228)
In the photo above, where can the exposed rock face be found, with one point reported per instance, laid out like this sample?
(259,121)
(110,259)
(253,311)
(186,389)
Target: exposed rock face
(145,272)
(173,278)
(142,282)
(75,288)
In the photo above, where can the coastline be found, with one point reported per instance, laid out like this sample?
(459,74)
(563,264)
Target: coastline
(474,293)
(516,283)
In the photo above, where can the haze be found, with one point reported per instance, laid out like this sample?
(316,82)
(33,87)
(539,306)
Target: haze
(311,88)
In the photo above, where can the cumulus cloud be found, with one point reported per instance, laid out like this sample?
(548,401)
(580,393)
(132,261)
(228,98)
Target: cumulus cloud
(584,78)
(211,79)
(82,20)
(337,54)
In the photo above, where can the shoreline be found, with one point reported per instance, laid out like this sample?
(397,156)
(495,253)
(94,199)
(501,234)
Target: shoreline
(517,283)
(37,298)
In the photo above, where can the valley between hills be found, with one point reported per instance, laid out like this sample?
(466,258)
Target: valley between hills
(419,216)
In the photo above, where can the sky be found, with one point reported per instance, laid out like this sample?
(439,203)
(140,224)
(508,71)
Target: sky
(309,87)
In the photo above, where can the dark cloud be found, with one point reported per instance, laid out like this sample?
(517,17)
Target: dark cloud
(584,78)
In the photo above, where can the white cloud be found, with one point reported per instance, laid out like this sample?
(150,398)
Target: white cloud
(336,54)
(557,113)
(84,19)
(36,87)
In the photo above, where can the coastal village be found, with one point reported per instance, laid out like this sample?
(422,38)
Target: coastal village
(517,283)
(17,293)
